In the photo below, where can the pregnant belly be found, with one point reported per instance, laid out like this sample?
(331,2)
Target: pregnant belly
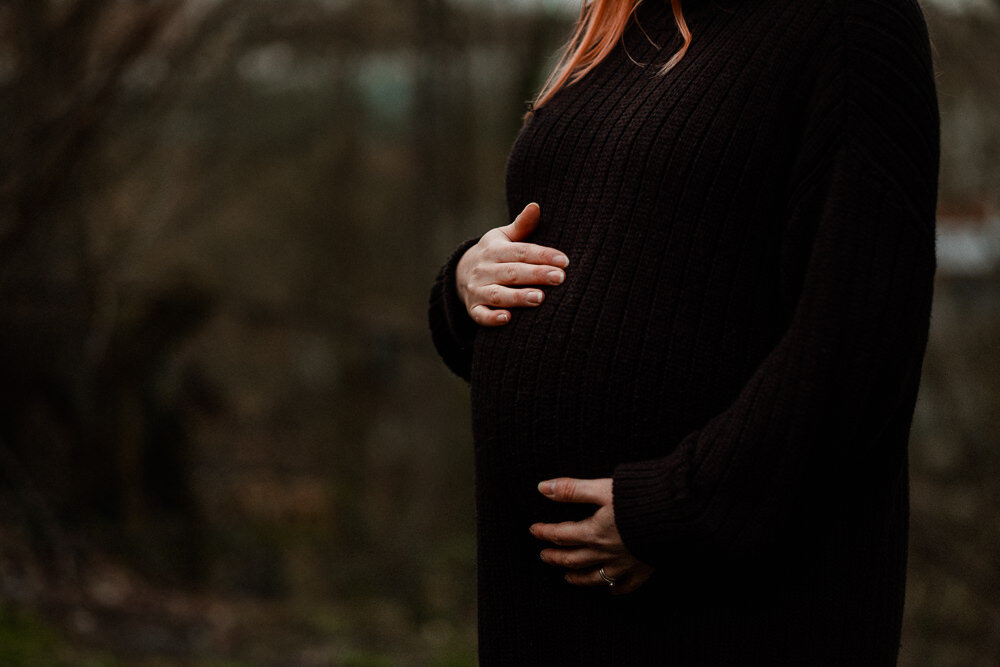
(554,395)
(573,389)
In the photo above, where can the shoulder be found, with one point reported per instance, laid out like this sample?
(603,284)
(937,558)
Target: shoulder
(819,40)
(873,27)
(884,56)
(864,52)
(871,100)
(896,15)
(820,25)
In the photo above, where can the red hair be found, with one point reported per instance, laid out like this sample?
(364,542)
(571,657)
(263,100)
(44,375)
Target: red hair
(601,24)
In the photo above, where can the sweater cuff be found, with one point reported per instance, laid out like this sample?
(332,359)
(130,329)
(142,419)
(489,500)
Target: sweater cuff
(452,330)
(653,509)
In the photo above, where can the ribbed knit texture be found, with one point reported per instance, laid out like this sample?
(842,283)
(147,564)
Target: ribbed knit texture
(738,341)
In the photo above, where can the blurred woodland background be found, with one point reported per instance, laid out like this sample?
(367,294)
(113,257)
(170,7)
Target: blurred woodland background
(225,437)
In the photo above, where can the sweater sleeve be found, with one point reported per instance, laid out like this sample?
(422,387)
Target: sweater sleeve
(452,330)
(828,409)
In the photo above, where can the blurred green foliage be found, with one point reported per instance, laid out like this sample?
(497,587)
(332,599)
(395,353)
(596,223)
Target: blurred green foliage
(27,640)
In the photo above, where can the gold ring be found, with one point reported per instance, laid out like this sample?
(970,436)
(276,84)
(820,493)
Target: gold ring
(608,580)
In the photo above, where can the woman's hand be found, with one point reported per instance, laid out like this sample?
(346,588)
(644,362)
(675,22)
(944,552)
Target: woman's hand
(585,547)
(500,259)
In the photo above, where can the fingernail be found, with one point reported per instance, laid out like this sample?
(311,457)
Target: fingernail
(547,488)
(556,277)
(535,297)
(503,317)
(561,260)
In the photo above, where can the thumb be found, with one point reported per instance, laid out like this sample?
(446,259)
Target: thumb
(524,223)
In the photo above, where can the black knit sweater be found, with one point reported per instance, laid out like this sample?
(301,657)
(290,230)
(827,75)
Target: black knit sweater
(738,341)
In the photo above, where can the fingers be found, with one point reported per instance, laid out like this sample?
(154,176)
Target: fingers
(569,490)
(566,534)
(501,259)
(592,577)
(627,577)
(509,244)
(528,253)
(489,317)
(524,223)
(521,273)
(494,298)
(500,296)
(575,559)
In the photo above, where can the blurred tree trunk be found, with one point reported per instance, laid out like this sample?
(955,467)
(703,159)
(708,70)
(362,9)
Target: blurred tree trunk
(69,410)
(70,58)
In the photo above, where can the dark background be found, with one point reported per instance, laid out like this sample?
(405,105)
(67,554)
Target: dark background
(225,437)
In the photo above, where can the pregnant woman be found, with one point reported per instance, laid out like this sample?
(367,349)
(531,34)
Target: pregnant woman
(694,354)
